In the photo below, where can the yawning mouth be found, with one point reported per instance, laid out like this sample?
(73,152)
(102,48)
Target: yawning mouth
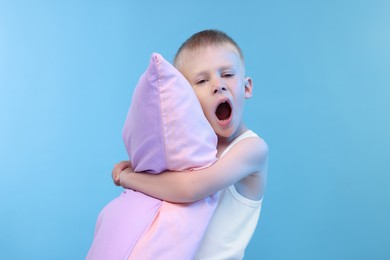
(223,111)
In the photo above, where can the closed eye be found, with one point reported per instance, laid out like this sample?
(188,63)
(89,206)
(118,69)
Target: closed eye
(200,82)
(227,75)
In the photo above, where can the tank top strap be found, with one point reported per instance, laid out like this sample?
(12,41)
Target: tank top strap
(243,136)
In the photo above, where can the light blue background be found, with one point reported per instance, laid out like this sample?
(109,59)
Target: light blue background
(321,72)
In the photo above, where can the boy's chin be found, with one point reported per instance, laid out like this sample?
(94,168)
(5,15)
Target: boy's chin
(224,133)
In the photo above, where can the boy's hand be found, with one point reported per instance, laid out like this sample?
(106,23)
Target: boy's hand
(116,171)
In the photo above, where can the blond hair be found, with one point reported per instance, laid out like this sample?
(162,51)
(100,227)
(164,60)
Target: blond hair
(206,38)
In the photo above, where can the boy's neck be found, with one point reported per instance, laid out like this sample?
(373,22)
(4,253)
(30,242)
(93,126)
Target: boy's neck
(224,142)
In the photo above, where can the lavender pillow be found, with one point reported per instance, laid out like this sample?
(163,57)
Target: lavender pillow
(165,128)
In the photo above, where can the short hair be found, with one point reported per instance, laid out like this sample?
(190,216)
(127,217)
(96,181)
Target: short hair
(207,38)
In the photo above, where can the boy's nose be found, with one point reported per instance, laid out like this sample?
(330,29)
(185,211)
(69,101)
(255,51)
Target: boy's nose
(219,89)
(218,86)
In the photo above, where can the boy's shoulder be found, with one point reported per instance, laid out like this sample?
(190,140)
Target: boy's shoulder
(254,139)
(260,146)
(252,185)
(255,147)
(250,147)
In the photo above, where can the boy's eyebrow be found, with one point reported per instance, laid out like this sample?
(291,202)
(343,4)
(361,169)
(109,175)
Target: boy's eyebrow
(224,67)
(199,74)
(228,67)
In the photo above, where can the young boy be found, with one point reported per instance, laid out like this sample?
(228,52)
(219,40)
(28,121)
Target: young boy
(214,65)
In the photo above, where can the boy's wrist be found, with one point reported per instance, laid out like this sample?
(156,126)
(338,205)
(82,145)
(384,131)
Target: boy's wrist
(123,176)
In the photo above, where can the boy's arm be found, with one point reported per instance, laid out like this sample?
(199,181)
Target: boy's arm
(249,156)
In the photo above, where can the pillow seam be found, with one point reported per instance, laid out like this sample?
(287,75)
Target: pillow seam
(162,121)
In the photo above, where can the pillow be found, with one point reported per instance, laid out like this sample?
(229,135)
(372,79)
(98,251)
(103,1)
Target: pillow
(165,128)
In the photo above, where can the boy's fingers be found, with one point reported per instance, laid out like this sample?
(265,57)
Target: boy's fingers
(122,165)
(117,180)
(118,168)
(115,176)
(126,164)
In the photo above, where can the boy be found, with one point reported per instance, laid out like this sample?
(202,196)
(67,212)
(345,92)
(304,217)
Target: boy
(214,66)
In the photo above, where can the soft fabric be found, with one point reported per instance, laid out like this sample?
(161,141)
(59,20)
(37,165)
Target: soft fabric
(176,232)
(121,223)
(165,129)
(224,238)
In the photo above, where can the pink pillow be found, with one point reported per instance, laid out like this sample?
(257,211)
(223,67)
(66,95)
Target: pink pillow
(165,128)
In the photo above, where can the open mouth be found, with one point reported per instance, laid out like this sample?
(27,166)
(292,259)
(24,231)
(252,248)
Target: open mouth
(223,111)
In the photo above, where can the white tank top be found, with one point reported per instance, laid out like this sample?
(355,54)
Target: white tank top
(233,223)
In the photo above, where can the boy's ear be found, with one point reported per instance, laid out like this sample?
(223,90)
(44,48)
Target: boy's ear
(248,87)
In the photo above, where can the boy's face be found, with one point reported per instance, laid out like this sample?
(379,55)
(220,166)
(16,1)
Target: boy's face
(217,76)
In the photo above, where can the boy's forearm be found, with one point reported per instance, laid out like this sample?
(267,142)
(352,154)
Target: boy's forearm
(168,186)
(246,158)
